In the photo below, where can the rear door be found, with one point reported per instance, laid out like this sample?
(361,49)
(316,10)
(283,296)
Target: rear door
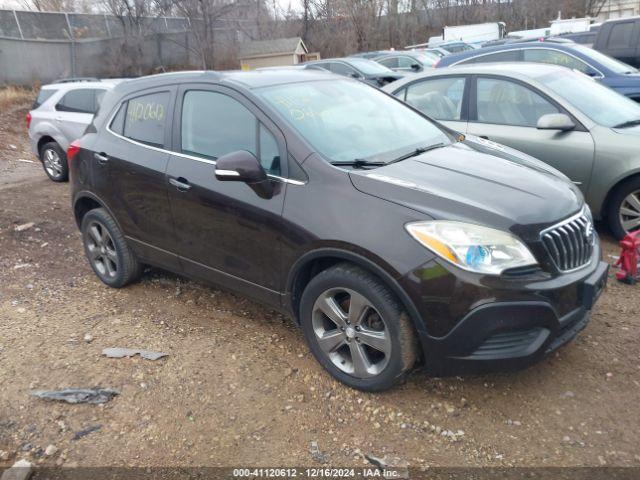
(507,112)
(75,110)
(226,232)
(129,173)
(442,98)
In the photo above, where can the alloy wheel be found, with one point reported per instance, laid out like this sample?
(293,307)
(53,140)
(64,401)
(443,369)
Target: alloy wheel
(101,250)
(351,332)
(630,212)
(52,162)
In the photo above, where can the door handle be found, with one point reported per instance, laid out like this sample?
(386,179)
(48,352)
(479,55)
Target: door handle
(102,157)
(180,183)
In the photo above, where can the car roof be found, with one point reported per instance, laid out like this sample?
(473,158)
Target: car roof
(516,70)
(244,79)
(508,46)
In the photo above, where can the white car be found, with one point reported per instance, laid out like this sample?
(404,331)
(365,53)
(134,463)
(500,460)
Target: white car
(60,114)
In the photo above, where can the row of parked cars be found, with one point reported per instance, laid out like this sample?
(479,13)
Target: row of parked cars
(399,226)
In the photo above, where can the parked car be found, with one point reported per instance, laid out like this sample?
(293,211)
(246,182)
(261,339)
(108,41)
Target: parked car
(59,115)
(369,55)
(620,39)
(587,131)
(510,40)
(619,76)
(408,62)
(387,237)
(362,69)
(455,47)
(583,38)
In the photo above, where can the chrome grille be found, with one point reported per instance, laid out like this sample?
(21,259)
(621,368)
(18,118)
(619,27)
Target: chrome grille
(570,243)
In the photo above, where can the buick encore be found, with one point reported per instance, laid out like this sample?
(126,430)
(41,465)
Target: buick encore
(391,240)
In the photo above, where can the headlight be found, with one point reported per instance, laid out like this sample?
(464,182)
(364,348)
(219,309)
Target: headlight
(472,247)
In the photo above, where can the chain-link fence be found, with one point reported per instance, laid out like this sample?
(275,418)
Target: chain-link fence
(42,46)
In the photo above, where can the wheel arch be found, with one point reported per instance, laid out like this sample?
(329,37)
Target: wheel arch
(86,201)
(45,139)
(604,209)
(316,261)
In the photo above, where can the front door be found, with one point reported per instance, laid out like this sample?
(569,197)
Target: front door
(507,112)
(225,231)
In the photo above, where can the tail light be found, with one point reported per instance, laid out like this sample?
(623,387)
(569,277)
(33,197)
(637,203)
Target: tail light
(72,151)
(28,120)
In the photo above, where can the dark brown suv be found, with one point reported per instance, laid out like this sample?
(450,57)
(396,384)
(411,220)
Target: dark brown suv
(391,240)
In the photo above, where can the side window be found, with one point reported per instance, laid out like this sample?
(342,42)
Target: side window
(390,62)
(78,101)
(146,118)
(555,57)
(440,98)
(621,35)
(506,56)
(401,94)
(117,124)
(507,103)
(406,62)
(214,124)
(342,69)
(43,96)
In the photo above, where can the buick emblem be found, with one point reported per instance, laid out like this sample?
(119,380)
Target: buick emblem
(588,232)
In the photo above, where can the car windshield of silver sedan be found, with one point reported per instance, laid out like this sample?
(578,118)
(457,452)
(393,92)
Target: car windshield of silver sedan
(347,121)
(369,67)
(599,103)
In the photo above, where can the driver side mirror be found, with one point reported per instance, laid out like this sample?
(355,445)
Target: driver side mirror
(355,75)
(243,166)
(556,121)
(415,67)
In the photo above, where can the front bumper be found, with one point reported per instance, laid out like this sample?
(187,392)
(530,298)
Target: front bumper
(515,330)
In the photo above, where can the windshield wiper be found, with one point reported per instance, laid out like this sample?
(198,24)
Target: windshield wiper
(358,163)
(627,124)
(416,152)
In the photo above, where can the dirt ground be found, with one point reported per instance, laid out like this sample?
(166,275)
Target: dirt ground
(240,388)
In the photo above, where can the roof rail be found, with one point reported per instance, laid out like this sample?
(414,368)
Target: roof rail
(77,79)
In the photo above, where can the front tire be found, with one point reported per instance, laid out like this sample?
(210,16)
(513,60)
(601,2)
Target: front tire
(623,212)
(357,329)
(54,162)
(109,255)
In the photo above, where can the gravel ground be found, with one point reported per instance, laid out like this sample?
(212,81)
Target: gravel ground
(240,388)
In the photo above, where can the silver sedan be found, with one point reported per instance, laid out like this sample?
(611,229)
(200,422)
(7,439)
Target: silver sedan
(585,130)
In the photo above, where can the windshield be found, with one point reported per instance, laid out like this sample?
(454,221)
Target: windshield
(599,103)
(346,120)
(369,67)
(605,60)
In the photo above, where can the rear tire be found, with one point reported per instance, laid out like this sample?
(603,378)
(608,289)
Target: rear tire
(108,253)
(366,340)
(54,162)
(623,211)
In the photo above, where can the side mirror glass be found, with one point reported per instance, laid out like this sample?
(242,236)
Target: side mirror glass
(556,121)
(243,166)
(355,75)
(415,67)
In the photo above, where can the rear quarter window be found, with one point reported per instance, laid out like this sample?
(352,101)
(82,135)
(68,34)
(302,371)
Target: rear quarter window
(43,96)
(145,118)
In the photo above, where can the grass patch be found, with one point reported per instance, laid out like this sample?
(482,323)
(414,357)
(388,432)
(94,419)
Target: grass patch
(11,95)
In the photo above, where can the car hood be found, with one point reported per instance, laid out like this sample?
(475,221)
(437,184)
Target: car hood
(619,81)
(462,182)
(635,131)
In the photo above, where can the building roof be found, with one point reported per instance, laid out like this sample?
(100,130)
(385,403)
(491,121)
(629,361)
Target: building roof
(277,46)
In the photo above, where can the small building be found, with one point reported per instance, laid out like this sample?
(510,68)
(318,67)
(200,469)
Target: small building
(274,53)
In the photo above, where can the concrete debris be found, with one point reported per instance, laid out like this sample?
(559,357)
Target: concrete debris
(21,470)
(316,454)
(24,226)
(78,395)
(117,352)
